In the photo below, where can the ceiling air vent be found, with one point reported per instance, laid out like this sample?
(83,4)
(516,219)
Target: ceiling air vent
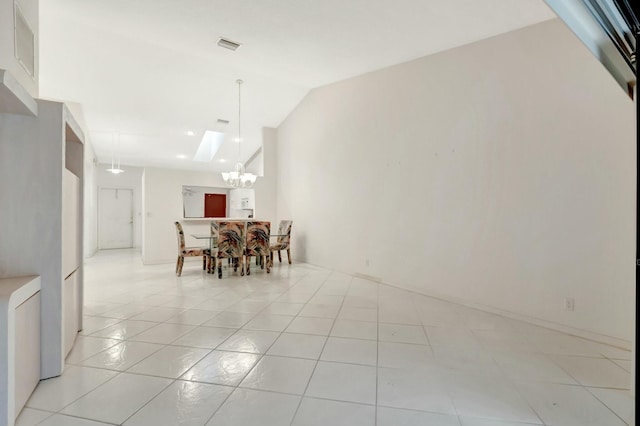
(228,44)
(24,42)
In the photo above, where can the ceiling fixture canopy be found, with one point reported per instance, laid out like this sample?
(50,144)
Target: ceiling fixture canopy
(238,178)
(115,168)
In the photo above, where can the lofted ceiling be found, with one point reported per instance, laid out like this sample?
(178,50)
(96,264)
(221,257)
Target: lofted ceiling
(148,71)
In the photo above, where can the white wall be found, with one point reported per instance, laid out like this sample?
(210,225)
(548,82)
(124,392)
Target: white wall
(90,200)
(500,174)
(8,59)
(266,185)
(162,206)
(130,179)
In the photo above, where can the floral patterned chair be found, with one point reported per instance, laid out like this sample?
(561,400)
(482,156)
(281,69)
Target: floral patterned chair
(283,242)
(215,232)
(258,244)
(189,251)
(231,244)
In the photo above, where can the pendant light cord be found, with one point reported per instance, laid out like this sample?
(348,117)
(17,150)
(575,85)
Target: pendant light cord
(119,153)
(113,150)
(239,109)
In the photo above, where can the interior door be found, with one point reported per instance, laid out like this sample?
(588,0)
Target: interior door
(116,218)
(215,205)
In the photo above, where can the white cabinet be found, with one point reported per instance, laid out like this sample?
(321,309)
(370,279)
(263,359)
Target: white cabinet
(71,258)
(27,349)
(71,211)
(20,306)
(70,325)
(42,178)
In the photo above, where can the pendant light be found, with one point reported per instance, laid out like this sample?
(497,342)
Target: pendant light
(115,169)
(239,178)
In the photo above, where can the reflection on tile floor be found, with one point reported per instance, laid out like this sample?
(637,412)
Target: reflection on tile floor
(309,346)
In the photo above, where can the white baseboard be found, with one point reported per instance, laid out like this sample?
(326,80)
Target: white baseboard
(585,334)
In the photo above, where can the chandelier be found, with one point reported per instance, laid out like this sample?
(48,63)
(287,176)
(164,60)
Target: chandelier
(238,178)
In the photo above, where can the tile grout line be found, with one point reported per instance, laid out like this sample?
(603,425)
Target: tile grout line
(375,418)
(196,286)
(237,386)
(320,354)
(149,401)
(175,380)
(588,389)
(119,372)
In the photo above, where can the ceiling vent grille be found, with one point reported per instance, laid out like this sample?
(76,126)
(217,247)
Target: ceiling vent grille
(228,44)
(24,42)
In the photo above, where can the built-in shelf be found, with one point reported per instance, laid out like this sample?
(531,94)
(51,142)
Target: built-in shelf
(14,99)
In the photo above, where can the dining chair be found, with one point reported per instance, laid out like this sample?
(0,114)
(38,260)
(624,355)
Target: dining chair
(215,231)
(231,244)
(184,251)
(283,242)
(258,243)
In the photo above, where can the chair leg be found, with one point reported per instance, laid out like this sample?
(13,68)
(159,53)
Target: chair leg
(241,260)
(262,261)
(177,264)
(268,266)
(271,258)
(219,268)
(249,264)
(279,256)
(180,263)
(289,255)
(204,262)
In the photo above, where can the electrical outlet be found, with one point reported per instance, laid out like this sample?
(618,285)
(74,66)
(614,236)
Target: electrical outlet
(569,304)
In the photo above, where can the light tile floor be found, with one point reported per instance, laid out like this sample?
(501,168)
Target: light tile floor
(309,346)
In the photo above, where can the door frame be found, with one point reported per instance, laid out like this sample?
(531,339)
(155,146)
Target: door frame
(133,210)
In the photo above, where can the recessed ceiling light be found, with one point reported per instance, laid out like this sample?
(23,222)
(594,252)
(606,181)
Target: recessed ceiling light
(190,133)
(222,160)
(228,44)
(237,140)
(181,156)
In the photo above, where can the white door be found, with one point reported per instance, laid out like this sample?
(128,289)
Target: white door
(116,218)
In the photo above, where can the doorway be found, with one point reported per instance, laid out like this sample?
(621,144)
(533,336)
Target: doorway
(115,218)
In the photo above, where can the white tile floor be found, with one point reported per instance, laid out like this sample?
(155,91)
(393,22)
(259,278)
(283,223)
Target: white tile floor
(308,346)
